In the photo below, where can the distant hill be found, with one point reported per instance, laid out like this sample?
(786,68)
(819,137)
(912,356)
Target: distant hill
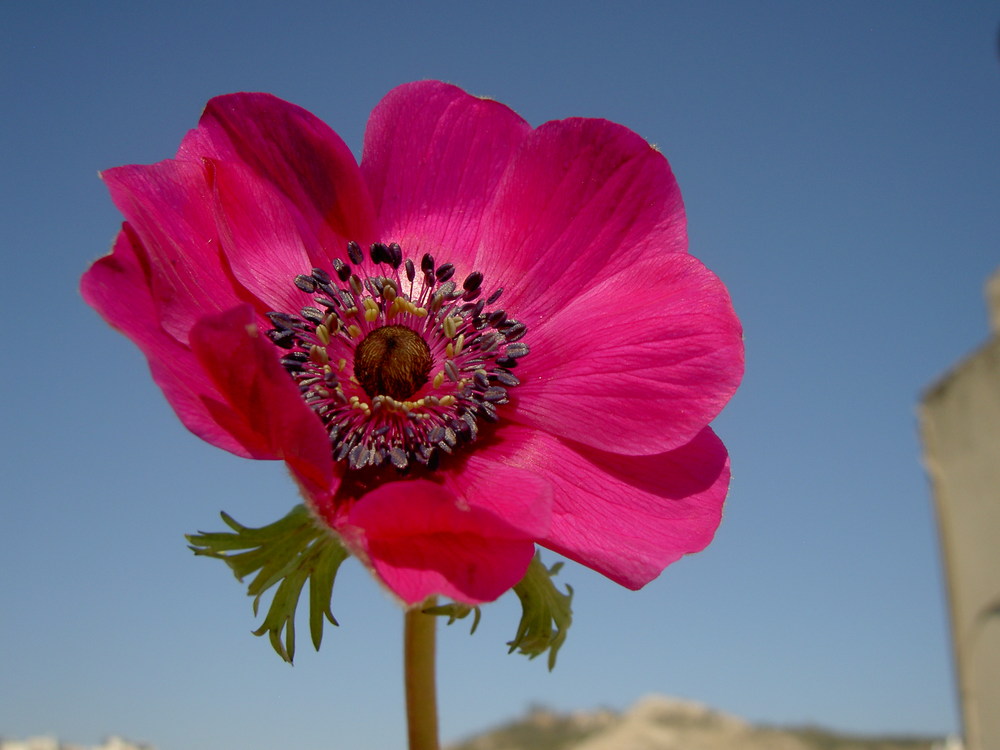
(661,723)
(51,743)
(653,723)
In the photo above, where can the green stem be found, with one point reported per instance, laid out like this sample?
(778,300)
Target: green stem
(418,665)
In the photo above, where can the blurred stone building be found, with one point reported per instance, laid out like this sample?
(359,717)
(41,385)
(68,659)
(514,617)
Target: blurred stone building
(960,425)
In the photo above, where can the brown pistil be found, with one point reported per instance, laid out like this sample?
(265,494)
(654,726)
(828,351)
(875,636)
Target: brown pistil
(392,361)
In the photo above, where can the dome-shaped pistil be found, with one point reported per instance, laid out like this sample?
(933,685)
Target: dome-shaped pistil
(392,361)
(403,366)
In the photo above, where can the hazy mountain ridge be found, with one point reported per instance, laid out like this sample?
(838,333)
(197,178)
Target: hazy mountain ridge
(51,743)
(661,723)
(653,723)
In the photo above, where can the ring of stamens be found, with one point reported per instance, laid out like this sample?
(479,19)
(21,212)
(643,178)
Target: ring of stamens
(400,367)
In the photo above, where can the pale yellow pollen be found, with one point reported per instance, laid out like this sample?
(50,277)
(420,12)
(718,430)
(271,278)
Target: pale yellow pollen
(407,306)
(447,400)
(353,331)
(449,349)
(439,379)
(323,334)
(459,342)
(341,364)
(318,355)
(389,292)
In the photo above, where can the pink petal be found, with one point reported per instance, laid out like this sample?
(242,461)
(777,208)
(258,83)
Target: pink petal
(582,199)
(469,540)
(516,497)
(117,287)
(637,364)
(260,238)
(433,157)
(259,398)
(169,207)
(627,517)
(298,154)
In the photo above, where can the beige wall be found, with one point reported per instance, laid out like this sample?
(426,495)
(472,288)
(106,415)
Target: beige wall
(960,424)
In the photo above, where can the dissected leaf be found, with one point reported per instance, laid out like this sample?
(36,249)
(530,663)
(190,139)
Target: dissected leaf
(546,612)
(455,611)
(289,552)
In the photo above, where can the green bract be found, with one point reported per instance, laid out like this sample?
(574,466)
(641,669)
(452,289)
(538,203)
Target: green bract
(288,552)
(297,549)
(546,613)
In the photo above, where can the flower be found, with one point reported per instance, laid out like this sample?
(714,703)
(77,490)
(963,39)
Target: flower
(482,338)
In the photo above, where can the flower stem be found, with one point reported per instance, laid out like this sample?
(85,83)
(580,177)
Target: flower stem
(418,665)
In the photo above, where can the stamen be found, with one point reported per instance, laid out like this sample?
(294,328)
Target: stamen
(342,270)
(306,284)
(363,349)
(354,252)
(472,281)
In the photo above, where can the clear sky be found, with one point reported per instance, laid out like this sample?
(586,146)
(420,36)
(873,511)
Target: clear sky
(839,163)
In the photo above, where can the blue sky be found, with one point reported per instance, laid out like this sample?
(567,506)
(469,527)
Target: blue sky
(839,163)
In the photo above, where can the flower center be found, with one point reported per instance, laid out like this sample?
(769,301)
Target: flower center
(364,351)
(392,361)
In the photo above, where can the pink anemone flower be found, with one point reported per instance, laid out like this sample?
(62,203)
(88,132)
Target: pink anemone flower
(483,338)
